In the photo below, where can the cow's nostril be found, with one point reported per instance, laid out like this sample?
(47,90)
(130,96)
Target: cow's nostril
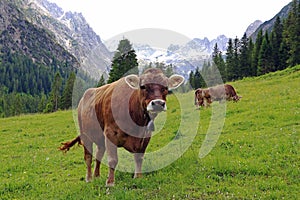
(157,105)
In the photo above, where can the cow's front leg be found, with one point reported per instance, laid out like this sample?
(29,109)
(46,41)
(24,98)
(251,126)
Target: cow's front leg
(138,158)
(112,156)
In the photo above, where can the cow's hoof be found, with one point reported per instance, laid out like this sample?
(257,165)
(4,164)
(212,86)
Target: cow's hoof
(138,175)
(88,179)
(108,184)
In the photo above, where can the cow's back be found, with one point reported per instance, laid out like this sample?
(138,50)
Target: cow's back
(217,93)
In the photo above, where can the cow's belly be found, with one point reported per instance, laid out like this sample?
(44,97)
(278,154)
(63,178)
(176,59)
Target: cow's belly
(136,145)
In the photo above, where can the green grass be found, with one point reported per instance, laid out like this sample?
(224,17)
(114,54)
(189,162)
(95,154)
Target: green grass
(256,155)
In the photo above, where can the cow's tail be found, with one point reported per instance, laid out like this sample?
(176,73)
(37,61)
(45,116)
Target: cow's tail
(67,145)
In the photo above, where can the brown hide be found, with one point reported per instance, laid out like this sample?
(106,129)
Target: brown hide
(121,114)
(204,97)
(231,93)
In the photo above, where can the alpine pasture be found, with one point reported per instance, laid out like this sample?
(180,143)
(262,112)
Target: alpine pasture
(255,157)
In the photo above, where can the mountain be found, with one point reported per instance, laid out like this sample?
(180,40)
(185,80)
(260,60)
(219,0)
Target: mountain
(184,58)
(73,33)
(18,35)
(253,27)
(40,48)
(268,25)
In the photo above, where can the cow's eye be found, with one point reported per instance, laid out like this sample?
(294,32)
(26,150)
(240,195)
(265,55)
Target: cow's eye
(148,89)
(163,89)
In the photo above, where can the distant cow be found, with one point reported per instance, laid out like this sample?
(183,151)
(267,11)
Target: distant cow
(201,96)
(204,97)
(121,114)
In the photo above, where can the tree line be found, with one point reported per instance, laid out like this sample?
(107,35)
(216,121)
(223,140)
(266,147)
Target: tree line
(29,87)
(271,51)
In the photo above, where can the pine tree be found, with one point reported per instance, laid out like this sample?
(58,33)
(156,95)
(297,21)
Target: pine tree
(192,79)
(42,103)
(255,53)
(250,53)
(230,71)
(124,61)
(276,40)
(197,79)
(244,57)
(294,34)
(55,95)
(287,37)
(68,91)
(284,46)
(265,63)
(219,61)
(236,48)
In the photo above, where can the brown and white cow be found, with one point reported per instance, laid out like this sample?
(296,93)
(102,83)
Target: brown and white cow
(121,114)
(204,97)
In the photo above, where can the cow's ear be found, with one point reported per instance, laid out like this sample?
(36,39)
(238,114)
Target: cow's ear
(133,81)
(175,81)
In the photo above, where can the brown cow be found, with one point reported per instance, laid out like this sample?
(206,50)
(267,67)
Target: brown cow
(204,97)
(121,114)
(201,96)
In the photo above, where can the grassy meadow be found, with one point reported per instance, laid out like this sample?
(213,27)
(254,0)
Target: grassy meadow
(255,156)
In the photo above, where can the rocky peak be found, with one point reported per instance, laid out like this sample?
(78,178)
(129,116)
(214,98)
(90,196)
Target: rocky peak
(19,35)
(72,32)
(252,27)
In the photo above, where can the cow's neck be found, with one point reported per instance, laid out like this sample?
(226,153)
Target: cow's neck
(138,112)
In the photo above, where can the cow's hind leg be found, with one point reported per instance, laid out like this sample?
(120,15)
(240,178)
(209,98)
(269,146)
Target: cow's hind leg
(99,155)
(112,156)
(88,156)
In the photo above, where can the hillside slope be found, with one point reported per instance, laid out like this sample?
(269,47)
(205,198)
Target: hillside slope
(256,155)
(268,25)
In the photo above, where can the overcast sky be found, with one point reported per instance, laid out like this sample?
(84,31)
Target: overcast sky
(192,18)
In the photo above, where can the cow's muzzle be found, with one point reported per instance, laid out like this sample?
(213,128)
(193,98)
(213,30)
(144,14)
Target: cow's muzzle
(157,105)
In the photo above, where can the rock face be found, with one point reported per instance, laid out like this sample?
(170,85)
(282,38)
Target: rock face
(253,27)
(73,33)
(18,35)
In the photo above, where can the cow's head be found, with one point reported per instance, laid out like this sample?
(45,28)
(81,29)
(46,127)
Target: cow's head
(154,86)
(236,98)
